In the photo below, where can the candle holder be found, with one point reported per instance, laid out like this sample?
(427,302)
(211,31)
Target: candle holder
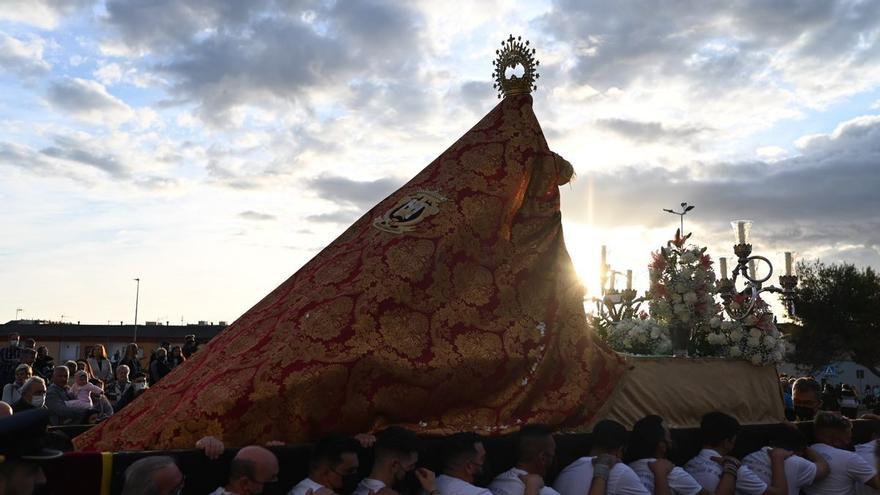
(739,304)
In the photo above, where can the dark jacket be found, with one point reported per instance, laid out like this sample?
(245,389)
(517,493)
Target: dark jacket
(59,412)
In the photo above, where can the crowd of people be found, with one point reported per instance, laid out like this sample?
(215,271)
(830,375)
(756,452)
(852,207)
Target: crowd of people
(620,462)
(84,391)
(842,397)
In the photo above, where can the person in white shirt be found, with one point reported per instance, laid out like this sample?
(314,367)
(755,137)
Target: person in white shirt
(608,440)
(535,450)
(396,454)
(251,469)
(333,467)
(868,452)
(463,459)
(802,469)
(718,432)
(651,440)
(833,434)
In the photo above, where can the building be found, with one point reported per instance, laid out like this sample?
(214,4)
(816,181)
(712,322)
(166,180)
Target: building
(74,340)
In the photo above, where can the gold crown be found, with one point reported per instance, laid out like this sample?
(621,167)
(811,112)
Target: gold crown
(514,52)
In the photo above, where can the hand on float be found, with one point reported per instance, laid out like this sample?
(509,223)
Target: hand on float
(427,479)
(212,446)
(365,439)
(661,467)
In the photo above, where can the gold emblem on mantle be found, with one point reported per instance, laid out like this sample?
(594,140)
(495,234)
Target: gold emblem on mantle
(409,211)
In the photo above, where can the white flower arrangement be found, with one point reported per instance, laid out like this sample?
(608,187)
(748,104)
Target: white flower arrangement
(639,336)
(755,339)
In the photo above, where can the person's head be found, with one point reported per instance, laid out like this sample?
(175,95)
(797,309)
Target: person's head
(28,356)
(177,352)
(34,391)
(71,366)
(535,449)
(649,438)
(5,410)
(832,429)
(30,344)
(190,339)
(155,475)
(22,373)
(789,437)
(251,470)
(396,452)
(131,351)
(718,431)
(122,372)
(807,398)
(99,352)
(139,383)
(334,463)
(60,375)
(81,378)
(42,351)
(165,345)
(464,456)
(14,339)
(161,354)
(609,437)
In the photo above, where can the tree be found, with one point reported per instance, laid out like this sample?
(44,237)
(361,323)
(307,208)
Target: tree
(838,307)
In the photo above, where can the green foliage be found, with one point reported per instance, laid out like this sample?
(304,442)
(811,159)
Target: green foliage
(838,307)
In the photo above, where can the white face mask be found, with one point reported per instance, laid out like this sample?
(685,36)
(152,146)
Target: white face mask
(140,386)
(38,400)
(13,343)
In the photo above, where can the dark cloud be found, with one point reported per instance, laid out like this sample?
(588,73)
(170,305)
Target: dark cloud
(715,44)
(71,150)
(825,196)
(223,54)
(650,131)
(257,216)
(85,98)
(360,194)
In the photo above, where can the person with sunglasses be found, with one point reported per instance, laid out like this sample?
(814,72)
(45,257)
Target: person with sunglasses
(333,467)
(252,468)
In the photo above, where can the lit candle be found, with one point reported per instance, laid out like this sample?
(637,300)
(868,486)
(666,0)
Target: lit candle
(752,268)
(741,232)
(723,262)
(604,261)
(788,260)
(629,280)
(613,276)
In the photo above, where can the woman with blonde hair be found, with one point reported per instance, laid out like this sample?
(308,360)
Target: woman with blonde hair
(101,367)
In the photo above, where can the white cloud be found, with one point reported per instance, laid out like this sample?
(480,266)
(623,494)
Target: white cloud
(45,14)
(23,57)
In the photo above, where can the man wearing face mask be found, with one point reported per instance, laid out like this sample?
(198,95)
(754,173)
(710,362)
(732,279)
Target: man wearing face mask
(807,398)
(250,471)
(463,462)
(535,451)
(33,395)
(396,455)
(138,386)
(333,467)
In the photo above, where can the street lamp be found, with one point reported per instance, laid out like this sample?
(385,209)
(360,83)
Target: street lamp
(136,296)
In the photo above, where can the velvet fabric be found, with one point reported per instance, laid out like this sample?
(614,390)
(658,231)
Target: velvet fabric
(451,305)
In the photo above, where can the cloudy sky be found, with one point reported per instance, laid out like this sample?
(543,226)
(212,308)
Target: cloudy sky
(211,147)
